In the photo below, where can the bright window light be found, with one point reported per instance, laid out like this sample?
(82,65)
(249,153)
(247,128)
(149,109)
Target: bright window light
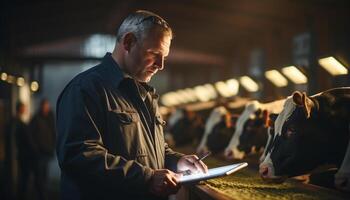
(294,74)
(98,44)
(249,84)
(333,66)
(276,78)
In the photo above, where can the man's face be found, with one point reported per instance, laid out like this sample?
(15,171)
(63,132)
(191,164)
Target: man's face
(147,56)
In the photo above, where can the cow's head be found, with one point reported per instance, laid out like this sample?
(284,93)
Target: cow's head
(297,146)
(254,132)
(222,132)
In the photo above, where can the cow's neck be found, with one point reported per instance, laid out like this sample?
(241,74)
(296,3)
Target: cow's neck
(337,125)
(345,166)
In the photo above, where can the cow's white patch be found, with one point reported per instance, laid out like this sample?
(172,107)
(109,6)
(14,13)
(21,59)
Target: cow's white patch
(269,139)
(288,108)
(250,108)
(214,118)
(175,117)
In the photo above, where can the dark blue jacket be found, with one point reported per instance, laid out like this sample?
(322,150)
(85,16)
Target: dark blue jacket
(109,139)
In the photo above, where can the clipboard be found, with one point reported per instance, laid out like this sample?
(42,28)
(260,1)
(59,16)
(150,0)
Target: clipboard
(212,173)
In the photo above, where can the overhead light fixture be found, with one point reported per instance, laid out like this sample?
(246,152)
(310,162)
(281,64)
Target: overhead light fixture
(228,88)
(249,84)
(205,92)
(169,99)
(233,86)
(211,91)
(276,78)
(333,66)
(221,87)
(294,74)
(34,86)
(20,81)
(187,95)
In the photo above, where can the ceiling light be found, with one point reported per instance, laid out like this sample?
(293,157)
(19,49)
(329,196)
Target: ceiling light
(249,84)
(294,74)
(333,66)
(205,92)
(228,88)
(233,86)
(276,78)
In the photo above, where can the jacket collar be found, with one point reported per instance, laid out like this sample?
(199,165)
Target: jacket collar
(115,75)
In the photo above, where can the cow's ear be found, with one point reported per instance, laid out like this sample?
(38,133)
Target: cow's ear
(307,104)
(271,119)
(301,99)
(298,98)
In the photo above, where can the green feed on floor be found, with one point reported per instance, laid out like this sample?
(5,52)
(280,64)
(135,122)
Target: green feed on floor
(246,184)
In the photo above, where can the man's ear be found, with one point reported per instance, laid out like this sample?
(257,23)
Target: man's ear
(301,99)
(129,40)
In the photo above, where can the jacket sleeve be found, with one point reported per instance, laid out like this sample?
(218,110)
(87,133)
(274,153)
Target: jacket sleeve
(80,149)
(171,158)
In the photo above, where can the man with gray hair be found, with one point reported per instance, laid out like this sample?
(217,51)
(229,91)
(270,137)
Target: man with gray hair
(110,141)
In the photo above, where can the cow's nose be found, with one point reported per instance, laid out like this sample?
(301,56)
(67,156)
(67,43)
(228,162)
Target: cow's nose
(264,170)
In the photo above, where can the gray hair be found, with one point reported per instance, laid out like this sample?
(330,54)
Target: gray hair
(140,23)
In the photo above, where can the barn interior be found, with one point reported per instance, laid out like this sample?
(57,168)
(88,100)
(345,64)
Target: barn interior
(224,52)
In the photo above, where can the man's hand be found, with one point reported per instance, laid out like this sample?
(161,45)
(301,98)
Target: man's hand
(164,182)
(192,163)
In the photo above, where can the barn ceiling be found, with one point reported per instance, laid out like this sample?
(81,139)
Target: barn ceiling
(204,29)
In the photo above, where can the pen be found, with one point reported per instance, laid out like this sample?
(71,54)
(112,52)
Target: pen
(204,156)
(188,172)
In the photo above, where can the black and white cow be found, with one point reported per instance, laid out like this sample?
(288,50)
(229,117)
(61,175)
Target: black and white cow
(254,134)
(214,118)
(184,127)
(309,132)
(248,125)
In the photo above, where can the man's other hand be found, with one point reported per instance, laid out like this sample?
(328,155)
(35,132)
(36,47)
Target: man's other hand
(164,182)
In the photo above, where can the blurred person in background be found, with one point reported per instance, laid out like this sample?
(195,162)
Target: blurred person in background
(42,129)
(19,142)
